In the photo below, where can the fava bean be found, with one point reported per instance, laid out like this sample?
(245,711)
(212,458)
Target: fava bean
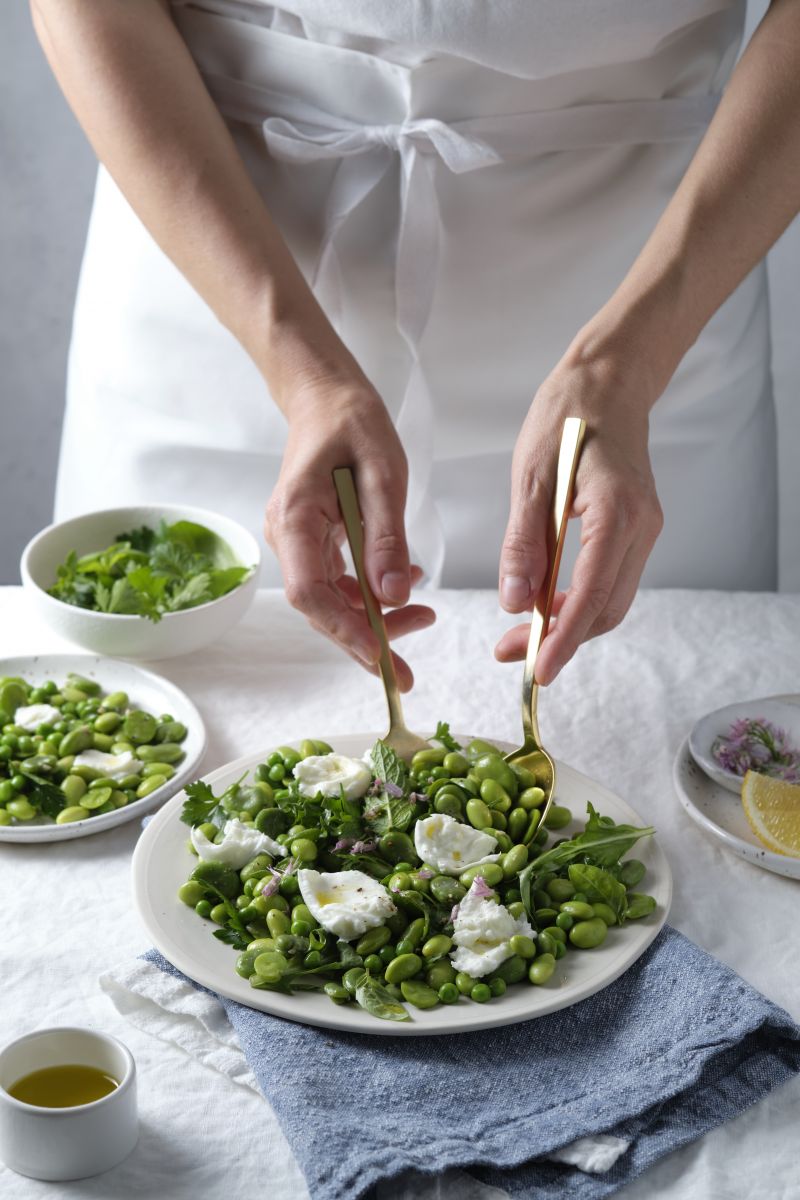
(72,813)
(74,788)
(373,940)
(541,970)
(335,992)
(632,872)
(150,785)
(478,814)
(558,817)
(439,973)
(455,763)
(437,946)
(588,934)
(639,905)
(578,909)
(403,967)
(157,768)
(512,970)
(513,862)
(418,993)
(522,945)
(96,798)
(491,873)
(168,752)
(75,741)
(446,890)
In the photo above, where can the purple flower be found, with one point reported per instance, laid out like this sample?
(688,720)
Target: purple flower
(392,789)
(480,888)
(424,874)
(363,847)
(272,885)
(376,787)
(757,745)
(343,844)
(454,913)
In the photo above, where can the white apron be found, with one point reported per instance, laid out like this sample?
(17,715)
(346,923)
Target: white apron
(464,184)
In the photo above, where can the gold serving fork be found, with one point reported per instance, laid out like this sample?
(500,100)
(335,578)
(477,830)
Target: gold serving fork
(404,743)
(532,754)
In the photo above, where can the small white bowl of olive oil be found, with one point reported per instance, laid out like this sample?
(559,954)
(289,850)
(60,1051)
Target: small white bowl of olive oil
(67,1103)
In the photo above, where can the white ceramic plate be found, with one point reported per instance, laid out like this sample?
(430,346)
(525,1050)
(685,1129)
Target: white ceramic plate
(145,689)
(783,711)
(720,815)
(161,863)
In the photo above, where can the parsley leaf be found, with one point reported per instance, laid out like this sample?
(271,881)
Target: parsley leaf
(202,806)
(444,737)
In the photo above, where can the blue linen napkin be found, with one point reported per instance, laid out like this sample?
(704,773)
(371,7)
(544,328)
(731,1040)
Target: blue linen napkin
(674,1047)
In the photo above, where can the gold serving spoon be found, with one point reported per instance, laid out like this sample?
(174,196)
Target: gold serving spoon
(532,753)
(404,743)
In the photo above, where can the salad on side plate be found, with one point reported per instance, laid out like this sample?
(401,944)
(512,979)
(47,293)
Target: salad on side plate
(386,884)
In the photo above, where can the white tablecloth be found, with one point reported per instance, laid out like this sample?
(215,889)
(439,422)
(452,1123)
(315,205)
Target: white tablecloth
(618,713)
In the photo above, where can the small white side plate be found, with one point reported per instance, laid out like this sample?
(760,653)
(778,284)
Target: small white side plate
(161,863)
(782,711)
(721,816)
(145,689)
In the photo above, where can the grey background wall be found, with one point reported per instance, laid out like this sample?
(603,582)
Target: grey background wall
(46,181)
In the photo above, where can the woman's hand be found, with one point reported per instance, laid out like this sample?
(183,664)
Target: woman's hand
(344,424)
(615,499)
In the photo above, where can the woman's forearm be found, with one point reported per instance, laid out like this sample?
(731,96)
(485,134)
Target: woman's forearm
(740,192)
(136,91)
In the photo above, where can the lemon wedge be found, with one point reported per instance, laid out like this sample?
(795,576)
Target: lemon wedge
(772,806)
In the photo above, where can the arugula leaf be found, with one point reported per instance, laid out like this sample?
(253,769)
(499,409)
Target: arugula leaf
(599,885)
(444,737)
(376,1000)
(387,765)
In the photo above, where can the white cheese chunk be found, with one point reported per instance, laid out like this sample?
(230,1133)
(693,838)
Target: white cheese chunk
(481,932)
(30,716)
(346,903)
(451,846)
(115,766)
(328,774)
(240,844)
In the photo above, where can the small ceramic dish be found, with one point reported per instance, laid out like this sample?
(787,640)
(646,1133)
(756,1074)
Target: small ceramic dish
(74,1142)
(127,636)
(782,711)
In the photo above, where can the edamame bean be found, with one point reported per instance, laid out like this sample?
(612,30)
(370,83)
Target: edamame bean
(493,766)
(373,940)
(5,817)
(150,785)
(555,933)
(168,752)
(522,945)
(157,768)
(191,893)
(558,817)
(518,820)
(455,763)
(439,973)
(478,814)
(541,971)
(72,813)
(419,994)
(73,743)
(491,873)
(465,983)
(277,922)
(336,993)
(403,967)
(434,757)
(74,788)
(478,747)
(499,821)
(560,890)
(437,946)
(578,909)
(352,978)
(632,872)
(118,798)
(22,809)
(546,916)
(588,934)
(605,912)
(107,722)
(449,805)
(219,914)
(495,795)
(513,862)
(546,944)
(102,741)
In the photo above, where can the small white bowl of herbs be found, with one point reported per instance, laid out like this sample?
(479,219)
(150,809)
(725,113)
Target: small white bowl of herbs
(147,581)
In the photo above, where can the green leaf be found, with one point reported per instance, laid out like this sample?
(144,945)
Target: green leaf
(200,540)
(202,806)
(194,591)
(444,737)
(139,539)
(224,580)
(45,796)
(390,812)
(376,1000)
(387,765)
(233,937)
(599,885)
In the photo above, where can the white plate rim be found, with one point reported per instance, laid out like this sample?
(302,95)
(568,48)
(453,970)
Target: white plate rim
(725,715)
(159,914)
(92,666)
(752,852)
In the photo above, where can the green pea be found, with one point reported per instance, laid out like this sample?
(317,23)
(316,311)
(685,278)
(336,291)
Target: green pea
(481,993)
(72,813)
(373,940)
(419,994)
(455,763)
(437,946)
(639,905)
(478,814)
(558,817)
(632,872)
(605,912)
(446,890)
(565,921)
(497,987)
(494,795)
(74,788)
(157,768)
(448,993)
(439,973)
(541,971)
(403,967)
(522,945)
(191,893)
(465,983)
(588,934)
(578,909)
(22,809)
(76,741)
(396,847)
(150,785)
(203,908)
(513,862)
(168,752)
(491,873)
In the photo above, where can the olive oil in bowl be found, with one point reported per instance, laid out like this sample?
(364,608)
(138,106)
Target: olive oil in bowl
(66,1086)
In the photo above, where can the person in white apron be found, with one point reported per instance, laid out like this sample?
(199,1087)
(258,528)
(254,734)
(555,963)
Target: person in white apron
(469,189)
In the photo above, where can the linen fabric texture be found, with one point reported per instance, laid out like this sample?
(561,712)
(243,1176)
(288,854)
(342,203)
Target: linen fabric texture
(673,1048)
(464,185)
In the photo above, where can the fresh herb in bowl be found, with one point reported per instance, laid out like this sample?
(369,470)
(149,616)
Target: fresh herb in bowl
(382,884)
(149,572)
(755,744)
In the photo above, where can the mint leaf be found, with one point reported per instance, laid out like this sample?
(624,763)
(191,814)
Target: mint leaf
(390,812)
(376,1000)
(387,766)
